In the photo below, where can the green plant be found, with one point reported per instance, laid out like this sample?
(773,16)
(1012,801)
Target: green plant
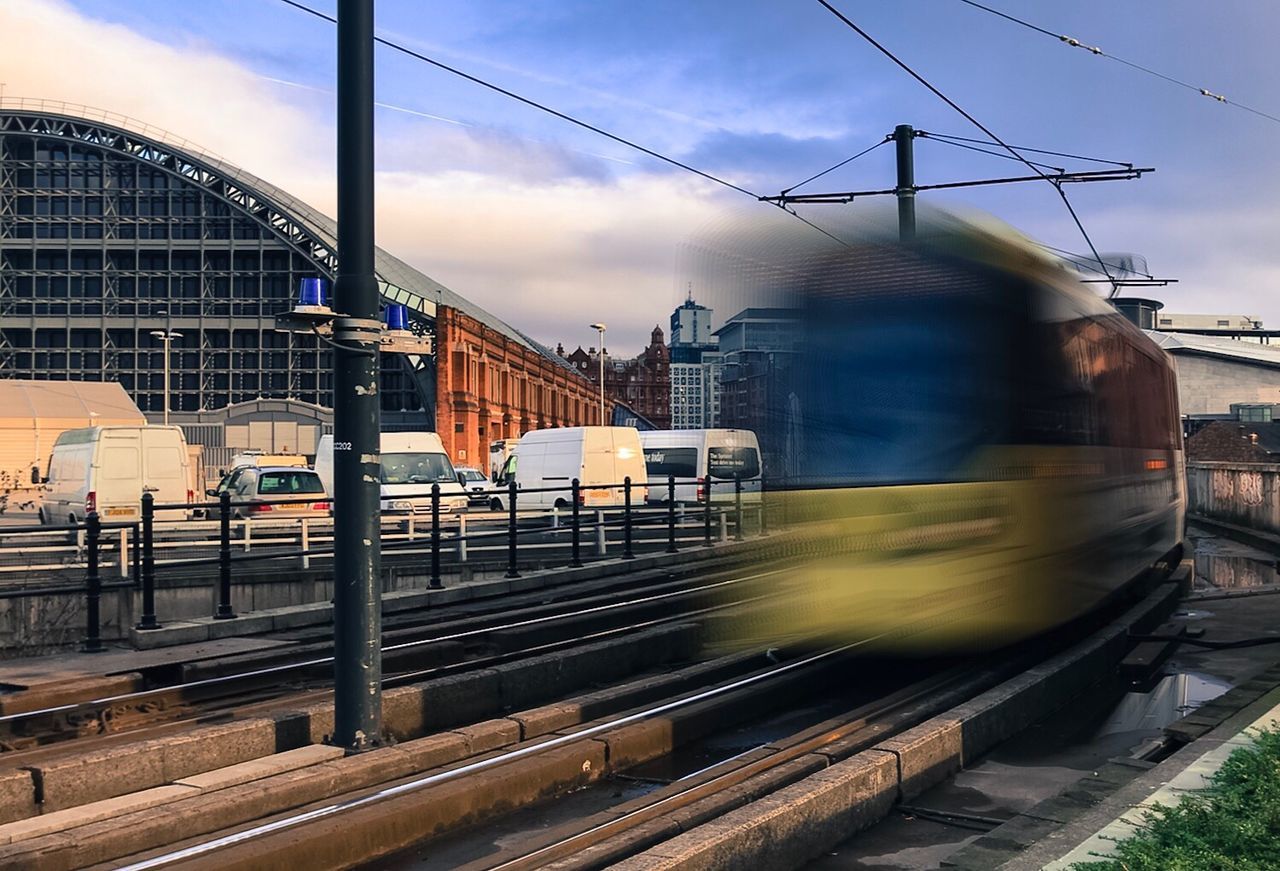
(1231,825)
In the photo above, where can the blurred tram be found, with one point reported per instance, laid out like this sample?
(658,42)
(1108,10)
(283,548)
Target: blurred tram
(973,446)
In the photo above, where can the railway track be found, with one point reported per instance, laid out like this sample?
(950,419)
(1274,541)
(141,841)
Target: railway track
(342,831)
(417,804)
(413,652)
(404,819)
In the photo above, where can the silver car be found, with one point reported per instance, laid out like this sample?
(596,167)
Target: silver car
(270,492)
(475,483)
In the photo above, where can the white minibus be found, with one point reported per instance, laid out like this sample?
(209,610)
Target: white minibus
(694,456)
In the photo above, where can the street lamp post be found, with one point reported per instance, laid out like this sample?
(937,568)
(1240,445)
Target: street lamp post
(167,337)
(600,328)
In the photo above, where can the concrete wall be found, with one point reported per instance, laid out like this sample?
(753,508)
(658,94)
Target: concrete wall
(41,624)
(1208,385)
(1243,493)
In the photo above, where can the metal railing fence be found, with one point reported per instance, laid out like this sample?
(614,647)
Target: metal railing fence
(658,525)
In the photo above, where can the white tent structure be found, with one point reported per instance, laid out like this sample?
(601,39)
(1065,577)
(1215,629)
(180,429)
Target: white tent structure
(34,413)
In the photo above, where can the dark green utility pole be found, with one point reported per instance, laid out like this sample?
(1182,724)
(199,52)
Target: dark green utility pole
(357,561)
(903,135)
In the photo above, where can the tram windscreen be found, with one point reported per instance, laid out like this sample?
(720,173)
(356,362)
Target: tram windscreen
(900,384)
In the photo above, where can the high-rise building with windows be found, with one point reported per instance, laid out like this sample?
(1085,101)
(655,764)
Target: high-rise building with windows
(696,367)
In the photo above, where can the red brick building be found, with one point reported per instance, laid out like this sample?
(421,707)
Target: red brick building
(642,383)
(490,386)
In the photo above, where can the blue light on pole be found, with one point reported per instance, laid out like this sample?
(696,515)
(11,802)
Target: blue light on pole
(396,317)
(311,294)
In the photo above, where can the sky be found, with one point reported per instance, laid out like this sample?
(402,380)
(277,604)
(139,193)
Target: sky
(553,228)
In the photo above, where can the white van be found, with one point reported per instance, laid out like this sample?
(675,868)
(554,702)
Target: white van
(107,468)
(693,456)
(411,463)
(595,455)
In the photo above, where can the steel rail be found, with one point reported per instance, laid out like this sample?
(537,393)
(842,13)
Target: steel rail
(793,747)
(486,764)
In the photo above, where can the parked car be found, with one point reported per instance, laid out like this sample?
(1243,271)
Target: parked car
(264,488)
(694,456)
(107,468)
(261,458)
(476,483)
(411,463)
(595,455)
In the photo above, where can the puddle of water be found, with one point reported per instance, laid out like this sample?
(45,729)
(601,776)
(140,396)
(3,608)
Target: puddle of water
(1172,698)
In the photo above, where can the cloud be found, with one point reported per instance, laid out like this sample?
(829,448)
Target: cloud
(55,53)
(542,235)
(546,257)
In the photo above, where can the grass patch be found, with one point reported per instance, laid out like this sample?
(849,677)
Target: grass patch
(1231,825)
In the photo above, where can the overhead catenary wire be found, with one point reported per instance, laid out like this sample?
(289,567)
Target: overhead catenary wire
(976,123)
(941,141)
(1085,257)
(950,136)
(844,162)
(542,107)
(1095,50)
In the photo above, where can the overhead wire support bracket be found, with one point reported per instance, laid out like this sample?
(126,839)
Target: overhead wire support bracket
(1060,178)
(1131,282)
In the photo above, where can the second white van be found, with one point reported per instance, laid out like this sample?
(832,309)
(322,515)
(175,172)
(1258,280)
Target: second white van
(695,456)
(107,469)
(411,463)
(545,462)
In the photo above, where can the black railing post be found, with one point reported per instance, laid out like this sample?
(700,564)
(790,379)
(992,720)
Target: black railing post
(576,495)
(147,620)
(671,514)
(93,581)
(764,522)
(737,506)
(224,557)
(512,571)
(435,583)
(626,519)
(706,512)
(148,560)
(135,556)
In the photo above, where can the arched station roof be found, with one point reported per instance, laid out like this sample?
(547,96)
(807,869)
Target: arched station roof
(302,227)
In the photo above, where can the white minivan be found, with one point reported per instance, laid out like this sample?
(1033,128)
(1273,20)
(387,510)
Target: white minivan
(694,456)
(411,463)
(595,455)
(107,468)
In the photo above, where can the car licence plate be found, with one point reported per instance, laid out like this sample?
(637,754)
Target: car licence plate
(119,512)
